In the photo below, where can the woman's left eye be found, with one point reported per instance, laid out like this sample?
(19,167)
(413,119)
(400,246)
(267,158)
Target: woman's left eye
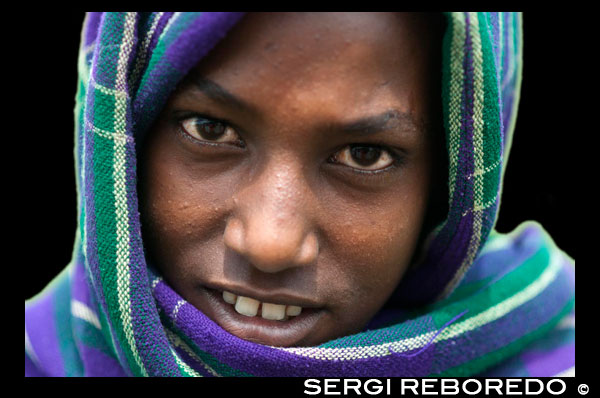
(365,157)
(208,130)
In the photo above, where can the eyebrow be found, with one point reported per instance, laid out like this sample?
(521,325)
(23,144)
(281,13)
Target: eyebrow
(218,93)
(392,118)
(370,125)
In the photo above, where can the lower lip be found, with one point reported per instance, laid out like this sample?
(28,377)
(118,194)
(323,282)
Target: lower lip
(288,333)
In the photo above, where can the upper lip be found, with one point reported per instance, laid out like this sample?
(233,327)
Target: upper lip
(280,297)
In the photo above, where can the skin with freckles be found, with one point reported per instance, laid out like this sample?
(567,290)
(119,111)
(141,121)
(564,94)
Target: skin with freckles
(296,163)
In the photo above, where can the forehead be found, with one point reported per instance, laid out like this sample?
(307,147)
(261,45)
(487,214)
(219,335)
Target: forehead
(346,58)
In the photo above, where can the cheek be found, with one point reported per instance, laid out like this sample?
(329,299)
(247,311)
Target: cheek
(375,242)
(179,216)
(382,247)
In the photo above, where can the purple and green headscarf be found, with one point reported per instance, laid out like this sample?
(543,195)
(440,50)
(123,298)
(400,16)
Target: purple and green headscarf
(508,298)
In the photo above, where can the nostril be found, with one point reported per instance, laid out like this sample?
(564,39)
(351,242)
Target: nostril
(309,250)
(234,235)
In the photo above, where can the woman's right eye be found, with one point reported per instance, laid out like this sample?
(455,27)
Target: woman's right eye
(211,131)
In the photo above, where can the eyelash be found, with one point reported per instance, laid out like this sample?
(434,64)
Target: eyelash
(181,130)
(366,175)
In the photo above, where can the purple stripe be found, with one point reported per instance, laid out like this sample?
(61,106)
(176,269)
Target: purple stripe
(549,363)
(260,360)
(444,256)
(92,25)
(494,29)
(144,316)
(449,248)
(90,213)
(193,363)
(88,192)
(31,370)
(41,328)
(160,26)
(199,38)
(79,284)
(98,364)
(186,50)
(494,263)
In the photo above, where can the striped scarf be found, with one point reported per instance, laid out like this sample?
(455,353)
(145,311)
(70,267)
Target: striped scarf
(481,302)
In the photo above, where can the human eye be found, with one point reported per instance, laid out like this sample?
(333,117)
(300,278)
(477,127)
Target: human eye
(366,158)
(209,131)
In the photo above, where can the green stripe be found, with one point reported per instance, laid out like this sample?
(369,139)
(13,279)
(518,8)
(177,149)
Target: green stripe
(109,43)
(104,105)
(478,148)
(184,20)
(478,115)
(508,286)
(106,230)
(90,336)
(491,148)
(213,363)
(107,332)
(499,42)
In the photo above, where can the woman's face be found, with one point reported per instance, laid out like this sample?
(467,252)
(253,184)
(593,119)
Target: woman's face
(292,169)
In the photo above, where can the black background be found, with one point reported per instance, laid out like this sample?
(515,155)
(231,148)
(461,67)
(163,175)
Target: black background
(540,180)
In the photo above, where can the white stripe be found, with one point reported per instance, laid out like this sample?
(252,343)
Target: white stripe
(478,99)
(185,366)
(174,17)
(156,281)
(486,317)
(485,170)
(567,322)
(82,311)
(566,373)
(176,341)
(511,49)
(120,191)
(143,54)
(497,243)
(506,306)
(176,309)
(110,135)
(30,351)
(117,93)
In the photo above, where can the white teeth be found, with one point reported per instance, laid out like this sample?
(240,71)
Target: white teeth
(229,297)
(247,306)
(275,312)
(293,310)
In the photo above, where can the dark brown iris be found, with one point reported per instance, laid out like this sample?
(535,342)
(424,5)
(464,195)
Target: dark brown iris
(210,130)
(365,155)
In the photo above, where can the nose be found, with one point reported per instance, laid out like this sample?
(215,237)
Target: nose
(271,222)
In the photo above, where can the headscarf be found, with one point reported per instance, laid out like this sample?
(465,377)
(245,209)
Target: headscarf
(479,302)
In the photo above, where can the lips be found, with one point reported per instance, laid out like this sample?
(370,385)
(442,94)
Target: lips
(281,321)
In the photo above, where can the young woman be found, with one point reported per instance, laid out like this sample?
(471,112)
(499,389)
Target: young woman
(300,194)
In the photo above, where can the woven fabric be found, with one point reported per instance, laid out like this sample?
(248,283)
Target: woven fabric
(480,302)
